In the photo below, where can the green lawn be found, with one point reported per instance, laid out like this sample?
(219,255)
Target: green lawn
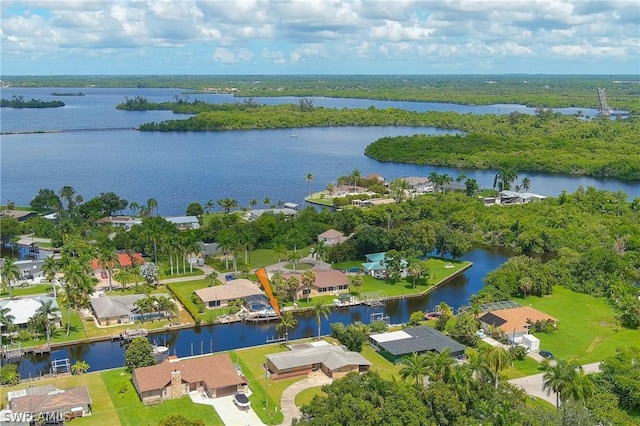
(307,395)
(104,411)
(257,259)
(527,367)
(186,289)
(131,411)
(28,290)
(587,331)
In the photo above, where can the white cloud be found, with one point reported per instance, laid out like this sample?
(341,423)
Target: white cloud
(394,31)
(226,55)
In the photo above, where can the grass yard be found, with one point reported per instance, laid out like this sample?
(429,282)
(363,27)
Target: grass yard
(186,289)
(131,411)
(587,331)
(28,290)
(527,367)
(307,395)
(104,411)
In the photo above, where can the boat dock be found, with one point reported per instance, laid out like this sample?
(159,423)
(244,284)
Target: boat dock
(129,334)
(18,352)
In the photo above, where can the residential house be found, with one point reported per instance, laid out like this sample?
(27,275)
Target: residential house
(514,322)
(221,295)
(184,222)
(20,215)
(31,269)
(215,375)
(330,281)
(512,197)
(254,214)
(332,238)
(125,260)
(23,309)
(126,222)
(332,360)
(112,310)
(344,190)
(46,400)
(376,267)
(419,185)
(396,345)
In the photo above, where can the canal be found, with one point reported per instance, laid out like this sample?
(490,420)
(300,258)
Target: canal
(215,338)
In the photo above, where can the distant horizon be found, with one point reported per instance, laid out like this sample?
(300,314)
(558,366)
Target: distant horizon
(319,74)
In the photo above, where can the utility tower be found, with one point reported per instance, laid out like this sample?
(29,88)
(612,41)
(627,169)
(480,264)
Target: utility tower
(604,106)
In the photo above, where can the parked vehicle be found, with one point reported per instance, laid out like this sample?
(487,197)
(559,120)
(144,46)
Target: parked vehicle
(547,355)
(241,400)
(104,275)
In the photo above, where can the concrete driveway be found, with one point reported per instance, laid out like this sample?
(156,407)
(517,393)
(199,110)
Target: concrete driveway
(230,414)
(532,385)
(288,401)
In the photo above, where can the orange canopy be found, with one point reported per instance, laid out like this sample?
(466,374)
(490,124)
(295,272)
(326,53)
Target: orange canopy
(264,280)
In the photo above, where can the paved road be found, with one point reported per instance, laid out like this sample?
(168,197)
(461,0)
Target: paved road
(533,384)
(289,409)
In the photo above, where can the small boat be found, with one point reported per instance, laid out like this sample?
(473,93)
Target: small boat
(294,135)
(159,350)
(131,333)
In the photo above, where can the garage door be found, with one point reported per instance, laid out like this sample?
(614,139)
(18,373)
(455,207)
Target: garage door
(229,390)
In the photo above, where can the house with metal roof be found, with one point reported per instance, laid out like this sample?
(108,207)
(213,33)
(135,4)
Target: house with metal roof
(376,267)
(512,197)
(334,361)
(184,222)
(23,309)
(396,345)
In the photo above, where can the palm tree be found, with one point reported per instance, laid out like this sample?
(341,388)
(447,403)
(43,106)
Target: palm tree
(504,178)
(287,321)
(80,367)
(414,270)
(355,176)
(47,310)
(582,387)
(320,310)
(461,177)
(50,267)
(445,179)
(108,258)
(253,203)
(123,277)
(439,365)
(279,251)
(6,319)
(293,257)
(415,367)
(525,285)
(67,192)
(497,359)
(10,273)
(134,206)
(560,378)
(70,297)
(267,202)
(208,206)
(152,203)
(356,281)
(308,279)
(526,184)
(309,179)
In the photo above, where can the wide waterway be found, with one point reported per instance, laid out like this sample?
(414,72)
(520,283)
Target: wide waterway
(194,341)
(178,168)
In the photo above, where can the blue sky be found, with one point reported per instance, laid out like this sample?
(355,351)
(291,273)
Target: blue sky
(56,37)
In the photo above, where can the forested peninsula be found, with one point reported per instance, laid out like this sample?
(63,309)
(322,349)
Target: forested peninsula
(20,102)
(545,142)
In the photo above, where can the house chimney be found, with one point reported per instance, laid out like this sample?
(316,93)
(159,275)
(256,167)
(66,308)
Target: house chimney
(176,384)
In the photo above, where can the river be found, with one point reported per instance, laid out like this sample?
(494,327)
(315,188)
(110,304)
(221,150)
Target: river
(195,341)
(178,168)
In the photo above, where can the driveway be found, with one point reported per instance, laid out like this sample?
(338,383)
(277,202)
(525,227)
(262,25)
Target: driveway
(532,385)
(288,401)
(227,410)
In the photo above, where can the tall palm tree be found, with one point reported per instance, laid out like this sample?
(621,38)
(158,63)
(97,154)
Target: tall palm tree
(108,258)
(47,310)
(152,203)
(279,251)
(67,193)
(356,281)
(294,257)
(497,359)
(414,270)
(320,310)
(134,206)
(504,178)
(308,279)
(50,267)
(70,300)
(267,202)
(208,206)
(355,176)
(6,319)
(10,273)
(287,321)
(526,183)
(309,179)
(582,386)
(440,365)
(445,179)
(560,379)
(415,367)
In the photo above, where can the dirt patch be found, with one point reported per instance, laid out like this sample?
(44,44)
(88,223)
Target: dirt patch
(593,344)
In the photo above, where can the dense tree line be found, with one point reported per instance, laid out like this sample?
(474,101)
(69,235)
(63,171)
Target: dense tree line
(20,102)
(546,90)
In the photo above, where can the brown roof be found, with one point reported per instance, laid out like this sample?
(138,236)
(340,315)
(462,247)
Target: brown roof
(324,279)
(234,289)
(516,318)
(331,234)
(52,401)
(216,371)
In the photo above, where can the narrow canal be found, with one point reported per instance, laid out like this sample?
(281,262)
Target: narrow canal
(199,340)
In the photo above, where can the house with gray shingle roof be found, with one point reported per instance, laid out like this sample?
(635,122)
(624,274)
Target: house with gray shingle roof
(334,361)
(397,344)
(111,310)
